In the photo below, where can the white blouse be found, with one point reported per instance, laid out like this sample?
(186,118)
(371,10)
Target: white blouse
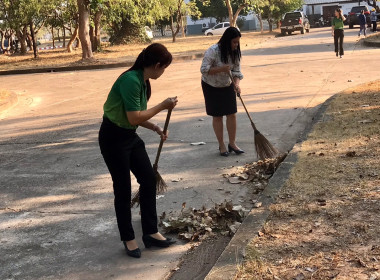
(212,58)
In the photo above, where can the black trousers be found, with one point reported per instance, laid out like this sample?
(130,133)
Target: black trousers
(374,26)
(338,38)
(124,151)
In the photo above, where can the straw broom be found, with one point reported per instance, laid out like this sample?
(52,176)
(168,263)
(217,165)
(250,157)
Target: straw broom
(161,185)
(264,148)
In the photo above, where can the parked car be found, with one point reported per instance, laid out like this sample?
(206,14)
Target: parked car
(148,32)
(295,21)
(217,29)
(353,16)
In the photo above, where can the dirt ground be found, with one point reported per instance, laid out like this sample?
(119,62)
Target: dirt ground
(121,53)
(325,223)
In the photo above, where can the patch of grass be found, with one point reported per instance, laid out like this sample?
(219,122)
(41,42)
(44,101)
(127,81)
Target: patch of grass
(122,53)
(325,222)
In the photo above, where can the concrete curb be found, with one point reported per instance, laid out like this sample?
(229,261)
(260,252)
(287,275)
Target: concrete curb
(368,43)
(8,102)
(372,43)
(228,263)
(92,67)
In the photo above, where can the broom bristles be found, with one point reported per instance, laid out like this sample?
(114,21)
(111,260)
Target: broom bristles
(264,148)
(161,187)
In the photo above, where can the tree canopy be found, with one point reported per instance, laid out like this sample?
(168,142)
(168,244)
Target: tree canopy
(123,20)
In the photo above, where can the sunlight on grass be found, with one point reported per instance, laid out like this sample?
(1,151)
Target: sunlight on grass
(324,223)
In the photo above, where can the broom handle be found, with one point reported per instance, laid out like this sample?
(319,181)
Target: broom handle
(242,102)
(162,141)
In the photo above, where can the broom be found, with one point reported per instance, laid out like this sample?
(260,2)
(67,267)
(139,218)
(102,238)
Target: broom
(161,185)
(264,148)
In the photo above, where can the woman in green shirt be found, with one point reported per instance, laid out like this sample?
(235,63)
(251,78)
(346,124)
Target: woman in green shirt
(123,150)
(338,31)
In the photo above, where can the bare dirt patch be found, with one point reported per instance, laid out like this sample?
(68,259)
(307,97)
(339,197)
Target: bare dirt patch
(122,53)
(325,222)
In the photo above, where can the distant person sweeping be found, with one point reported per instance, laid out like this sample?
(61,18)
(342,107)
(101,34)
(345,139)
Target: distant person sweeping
(363,23)
(374,20)
(219,94)
(123,150)
(338,32)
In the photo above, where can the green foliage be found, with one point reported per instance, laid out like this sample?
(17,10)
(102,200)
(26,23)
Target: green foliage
(212,8)
(124,19)
(277,8)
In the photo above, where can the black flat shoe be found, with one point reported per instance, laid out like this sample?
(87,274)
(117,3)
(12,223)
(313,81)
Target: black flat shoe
(225,154)
(149,241)
(136,253)
(170,240)
(237,151)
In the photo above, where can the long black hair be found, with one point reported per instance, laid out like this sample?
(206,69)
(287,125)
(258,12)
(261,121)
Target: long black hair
(153,54)
(225,45)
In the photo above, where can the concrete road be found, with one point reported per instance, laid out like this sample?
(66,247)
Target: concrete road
(56,202)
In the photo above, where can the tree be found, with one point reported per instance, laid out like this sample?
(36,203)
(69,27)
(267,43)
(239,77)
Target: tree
(84,28)
(176,12)
(373,4)
(125,19)
(275,9)
(23,14)
(13,22)
(241,5)
(212,8)
(258,8)
(96,16)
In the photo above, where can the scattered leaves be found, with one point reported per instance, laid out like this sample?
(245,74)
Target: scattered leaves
(194,224)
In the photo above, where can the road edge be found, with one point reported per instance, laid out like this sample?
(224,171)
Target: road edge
(228,263)
(92,66)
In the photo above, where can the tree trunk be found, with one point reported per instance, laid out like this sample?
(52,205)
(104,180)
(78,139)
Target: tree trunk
(91,32)
(236,15)
(270,21)
(261,23)
(270,24)
(72,39)
(97,39)
(78,44)
(172,28)
(84,26)
(21,35)
(230,13)
(35,49)
(64,36)
(2,40)
(52,34)
(183,28)
(29,42)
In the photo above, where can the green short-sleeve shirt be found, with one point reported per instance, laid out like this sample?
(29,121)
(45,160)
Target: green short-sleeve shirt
(338,23)
(127,94)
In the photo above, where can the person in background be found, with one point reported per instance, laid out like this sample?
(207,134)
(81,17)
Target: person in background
(338,32)
(362,22)
(374,20)
(218,90)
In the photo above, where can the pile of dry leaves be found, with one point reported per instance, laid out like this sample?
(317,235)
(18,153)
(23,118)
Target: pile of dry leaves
(225,218)
(258,172)
(192,224)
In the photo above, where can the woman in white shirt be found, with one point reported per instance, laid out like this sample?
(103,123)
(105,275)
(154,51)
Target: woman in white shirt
(218,89)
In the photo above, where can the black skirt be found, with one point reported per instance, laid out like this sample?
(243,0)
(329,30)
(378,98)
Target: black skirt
(219,101)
